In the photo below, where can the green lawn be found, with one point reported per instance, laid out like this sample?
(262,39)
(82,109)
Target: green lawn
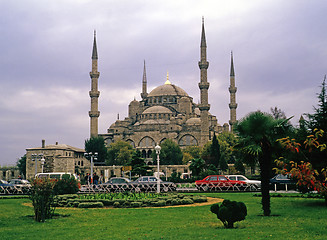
(294,218)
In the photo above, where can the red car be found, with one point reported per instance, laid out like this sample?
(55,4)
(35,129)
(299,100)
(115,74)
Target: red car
(219,182)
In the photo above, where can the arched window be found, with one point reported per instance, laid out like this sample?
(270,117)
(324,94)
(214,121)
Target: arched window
(131,142)
(188,140)
(143,154)
(147,142)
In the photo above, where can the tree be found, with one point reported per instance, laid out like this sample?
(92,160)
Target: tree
(308,178)
(318,120)
(197,166)
(258,132)
(239,166)
(120,153)
(97,144)
(170,154)
(21,164)
(278,113)
(227,141)
(138,165)
(215,152)
(191,152)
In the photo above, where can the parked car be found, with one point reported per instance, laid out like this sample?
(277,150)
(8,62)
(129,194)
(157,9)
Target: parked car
(149,183)
(255,183)
(114,184)
(4,183)
(118,180)
(281,181)
(218,181)
(20,182)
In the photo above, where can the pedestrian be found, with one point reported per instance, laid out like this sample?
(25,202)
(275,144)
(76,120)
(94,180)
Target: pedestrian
(95,179)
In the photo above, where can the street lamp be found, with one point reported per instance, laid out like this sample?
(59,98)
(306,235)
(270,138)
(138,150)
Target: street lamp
(158,148)
(35,157)
(93,156)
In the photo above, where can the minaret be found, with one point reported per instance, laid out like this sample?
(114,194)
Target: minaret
(94,93)
(232,91)
(144,93)
(204,86)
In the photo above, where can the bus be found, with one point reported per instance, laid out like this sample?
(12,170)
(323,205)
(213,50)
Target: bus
(54,175)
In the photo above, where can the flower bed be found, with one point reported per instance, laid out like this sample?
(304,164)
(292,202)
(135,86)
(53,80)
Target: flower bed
(126,200)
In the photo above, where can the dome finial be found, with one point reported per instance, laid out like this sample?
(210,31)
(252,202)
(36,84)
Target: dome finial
(167,82)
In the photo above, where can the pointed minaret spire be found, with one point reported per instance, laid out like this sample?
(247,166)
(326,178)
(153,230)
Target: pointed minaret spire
(94,93)
(232,66)
(232,91)
(203,35)
(144,93)
(95,51)
(204,105)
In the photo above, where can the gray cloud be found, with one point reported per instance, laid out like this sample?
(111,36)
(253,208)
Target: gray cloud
(279,55)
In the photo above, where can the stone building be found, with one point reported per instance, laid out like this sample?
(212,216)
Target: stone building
(165,112)
(57,158)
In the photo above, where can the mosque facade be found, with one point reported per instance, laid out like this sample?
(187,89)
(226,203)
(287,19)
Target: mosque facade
(166,112)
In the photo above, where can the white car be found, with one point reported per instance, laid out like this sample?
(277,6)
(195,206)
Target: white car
(256,183)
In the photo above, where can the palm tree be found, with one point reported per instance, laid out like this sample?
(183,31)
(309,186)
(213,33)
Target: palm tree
(257,134)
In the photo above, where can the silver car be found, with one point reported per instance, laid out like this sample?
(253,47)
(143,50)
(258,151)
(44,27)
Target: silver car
(255,183)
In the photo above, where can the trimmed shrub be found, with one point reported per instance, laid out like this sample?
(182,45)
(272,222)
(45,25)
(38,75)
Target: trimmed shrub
(199,199)
(175,202)
(186,201)
(136,204)
(229,212)
(90,205)
(116,204)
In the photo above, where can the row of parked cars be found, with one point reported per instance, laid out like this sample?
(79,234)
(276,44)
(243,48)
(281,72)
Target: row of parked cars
(240,180)
(15,182)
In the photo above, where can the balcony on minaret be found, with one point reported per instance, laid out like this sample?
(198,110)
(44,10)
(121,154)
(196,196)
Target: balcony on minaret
(232,89)
(94,74)
(94,113)
(94,93)
(204,107)
(203,65)
(233,105)
(204,85)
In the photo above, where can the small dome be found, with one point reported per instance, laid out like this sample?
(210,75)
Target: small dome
(193,121)
(167,90)
(157,109)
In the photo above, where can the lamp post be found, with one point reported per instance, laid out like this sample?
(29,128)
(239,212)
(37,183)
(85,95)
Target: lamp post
(158,148)
(34,158)
(92,156)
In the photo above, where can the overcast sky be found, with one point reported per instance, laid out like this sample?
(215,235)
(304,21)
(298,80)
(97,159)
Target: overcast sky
(279,49)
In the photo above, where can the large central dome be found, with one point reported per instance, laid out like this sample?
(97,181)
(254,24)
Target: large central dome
(168,90)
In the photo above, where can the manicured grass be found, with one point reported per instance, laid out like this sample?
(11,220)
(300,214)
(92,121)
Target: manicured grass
(294,218)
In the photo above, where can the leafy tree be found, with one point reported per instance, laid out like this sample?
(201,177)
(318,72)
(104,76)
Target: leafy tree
(170,154)
(239,166)
(138,165)
(308,178)
(258,132)
(197,166)
(278,113)
(227,141)
(191,152)
(97,144)
(318,120)
(21,164)
(120,153)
